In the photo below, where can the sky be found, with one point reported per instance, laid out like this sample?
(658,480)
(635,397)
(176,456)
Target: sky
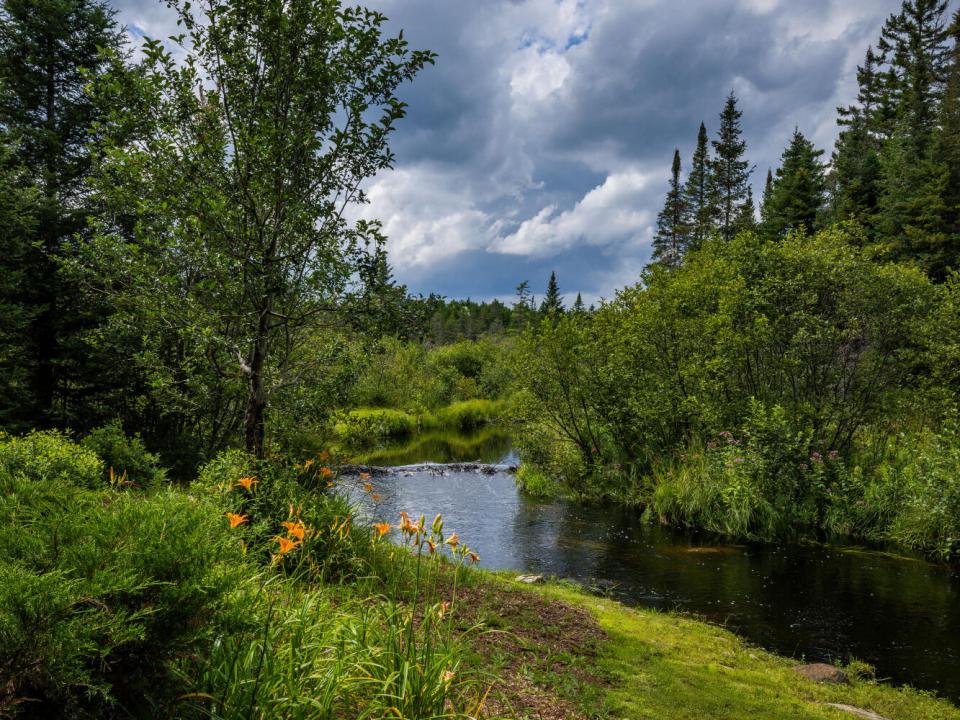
(542,138)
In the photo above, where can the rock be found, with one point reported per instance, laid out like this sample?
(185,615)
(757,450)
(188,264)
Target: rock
(823,673)
(530,579)
(858,712)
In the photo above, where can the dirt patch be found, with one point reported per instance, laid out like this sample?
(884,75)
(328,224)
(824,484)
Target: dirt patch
(542,651)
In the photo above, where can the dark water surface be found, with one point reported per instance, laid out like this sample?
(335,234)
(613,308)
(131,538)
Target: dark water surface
(901,615)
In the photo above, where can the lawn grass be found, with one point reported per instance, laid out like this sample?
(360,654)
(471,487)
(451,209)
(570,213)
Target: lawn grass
(649,664)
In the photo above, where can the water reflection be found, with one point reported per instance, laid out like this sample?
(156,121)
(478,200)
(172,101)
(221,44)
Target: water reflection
(821,603)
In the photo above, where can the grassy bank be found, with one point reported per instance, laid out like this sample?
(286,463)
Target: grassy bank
(567,654)
(364,427)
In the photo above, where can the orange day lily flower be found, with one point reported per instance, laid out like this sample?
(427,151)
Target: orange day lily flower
(364,476)
(324,456)
(325,472)
(382,528)
(474,557)
(453,540)
(295,529)
(247,483)
(368,487)
(376,497)
(286,544)
(236,519)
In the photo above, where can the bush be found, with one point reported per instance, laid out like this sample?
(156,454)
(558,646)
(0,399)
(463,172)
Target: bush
(276,494)
(125,456)
(101,593)
(50,455)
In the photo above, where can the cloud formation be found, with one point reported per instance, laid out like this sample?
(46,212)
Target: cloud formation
(542,138)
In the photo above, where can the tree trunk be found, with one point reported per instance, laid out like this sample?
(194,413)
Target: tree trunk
(253,415)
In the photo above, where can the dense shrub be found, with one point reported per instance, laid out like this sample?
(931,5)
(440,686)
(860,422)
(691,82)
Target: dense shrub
(103,591)
(271,496)
(49,455)
(125,456)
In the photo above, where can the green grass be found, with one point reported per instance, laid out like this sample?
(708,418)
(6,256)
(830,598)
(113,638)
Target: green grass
(662,665)
(471,414)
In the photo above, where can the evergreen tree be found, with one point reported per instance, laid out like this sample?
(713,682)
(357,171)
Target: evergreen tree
(552,305)
(746,219)
(671,240)
(19,200)
(947,150)
(798,194)
(578,307)
(696,192)
(914,42)
(729,170)
(855,173)
(766,197)
(49,51)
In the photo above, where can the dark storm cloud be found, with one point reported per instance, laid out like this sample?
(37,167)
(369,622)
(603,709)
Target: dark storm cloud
(542,137)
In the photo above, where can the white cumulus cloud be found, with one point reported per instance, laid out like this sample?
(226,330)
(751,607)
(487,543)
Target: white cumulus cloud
(611,212)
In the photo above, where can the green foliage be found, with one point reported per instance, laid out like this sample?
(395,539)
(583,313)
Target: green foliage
(103,592)
(366,426)
(125,456)
(471,414)
(50,456)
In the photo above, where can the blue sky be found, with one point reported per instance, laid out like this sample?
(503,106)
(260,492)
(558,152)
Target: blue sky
(542,139)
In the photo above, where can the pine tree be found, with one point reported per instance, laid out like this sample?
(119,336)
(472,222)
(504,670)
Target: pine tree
(49,51)
(552,305)
(729,171)
(947,150)
(746,219)
(765,198)
(914,42)
(671,240)
(578,307)
(798,194)
(696,192)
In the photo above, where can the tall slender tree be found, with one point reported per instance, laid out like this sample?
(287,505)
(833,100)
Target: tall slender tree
(696,192)
(798,195)
(246,158)
(766,197)
(49,51)
(673,226)
(552,305)
(729,169)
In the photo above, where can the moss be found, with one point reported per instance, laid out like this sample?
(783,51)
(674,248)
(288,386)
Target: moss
(662,665)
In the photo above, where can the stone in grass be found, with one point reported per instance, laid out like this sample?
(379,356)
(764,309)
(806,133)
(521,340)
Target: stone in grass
(530,579)
(823,673)
(858,712)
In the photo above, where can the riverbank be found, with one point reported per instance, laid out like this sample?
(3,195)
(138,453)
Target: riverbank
(562,653)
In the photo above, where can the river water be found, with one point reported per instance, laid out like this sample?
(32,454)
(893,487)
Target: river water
(813,602)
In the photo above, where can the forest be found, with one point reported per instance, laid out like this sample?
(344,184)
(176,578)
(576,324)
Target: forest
(197,340)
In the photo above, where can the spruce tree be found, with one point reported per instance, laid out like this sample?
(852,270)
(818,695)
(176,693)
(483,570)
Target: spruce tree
(552,305)
(49,51)
(729,170)
(914,42)
(578,307)
(671,240)
(746,219)
(798,194)
(696,192)
(766,197)
(947,150)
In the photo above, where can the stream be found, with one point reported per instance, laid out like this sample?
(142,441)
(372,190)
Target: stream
(815,602)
